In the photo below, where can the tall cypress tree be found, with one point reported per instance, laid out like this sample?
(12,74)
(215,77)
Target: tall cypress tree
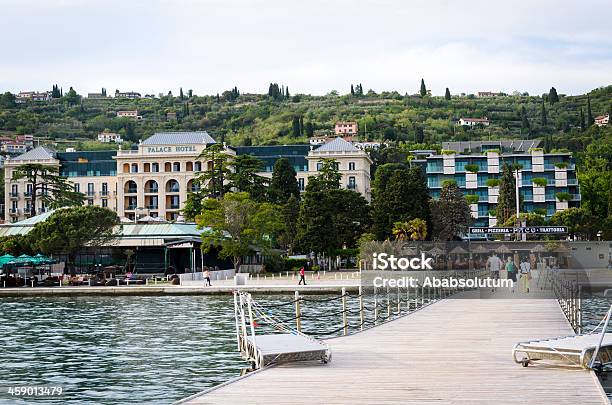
(544,118)
(447,94)
(352,90)
(423,88)
(553,97)
(283,183)
(506,202)
(582,123)
(524,119)
(590,119)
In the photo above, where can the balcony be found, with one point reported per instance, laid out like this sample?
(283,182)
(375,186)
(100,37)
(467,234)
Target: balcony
(14,194)
(131,207)
(14,211)
(91,194)
(27,194)
(576,197)
(131,191)
(174,206)
(152,207)
(104,193)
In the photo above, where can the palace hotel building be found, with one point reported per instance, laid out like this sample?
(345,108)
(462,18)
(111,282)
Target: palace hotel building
(154,179)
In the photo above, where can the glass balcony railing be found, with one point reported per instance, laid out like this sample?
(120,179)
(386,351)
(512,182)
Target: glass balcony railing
(174,206)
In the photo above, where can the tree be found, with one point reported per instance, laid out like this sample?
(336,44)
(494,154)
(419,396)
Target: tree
(218,161)
(590,119)
(451,214)
(72,98)
(328,178)
(423,88)
(70,230)
(290,212)
(48,186)
(352,90)
(55,92)
(552,96)
(181,95)
(309,129)
(544,120)
(244,176)
(447,94)
(295,127)
(506,202)
(582,122)
(238,224)
(331,219)
(524,120)
(399,195)
(579,221)
(284,183)
(7,100)
(419,135)
(417,229)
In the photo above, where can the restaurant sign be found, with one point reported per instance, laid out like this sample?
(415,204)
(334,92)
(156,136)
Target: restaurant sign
(523,229)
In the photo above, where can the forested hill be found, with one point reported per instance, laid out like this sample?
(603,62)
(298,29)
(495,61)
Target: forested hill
(281,118)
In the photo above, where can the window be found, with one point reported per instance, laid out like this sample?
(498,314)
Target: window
(155,167)
(352,185)
(198,166)
(351,165)
(90,189)
(176,167)
(104,188)
(319,166)
(77,187)
(90,201)
(14,190)
(189,167)
(147,167)
(134,167)
(301,184)
(104,203)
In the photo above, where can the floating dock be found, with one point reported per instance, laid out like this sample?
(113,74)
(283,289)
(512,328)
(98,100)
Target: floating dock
(454,352)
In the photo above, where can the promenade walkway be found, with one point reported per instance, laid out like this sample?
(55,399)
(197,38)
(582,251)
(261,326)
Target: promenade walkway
(457,351)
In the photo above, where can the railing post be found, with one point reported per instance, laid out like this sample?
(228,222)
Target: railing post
(236,319)
(408,297)
(361,317)
(252,323)
(375,306)
(399,301)
(298,312)
(344,317)
(579,309)
(388,303)
(422,295)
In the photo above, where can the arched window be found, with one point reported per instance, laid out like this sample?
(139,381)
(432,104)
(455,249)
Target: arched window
(167,167)
(134,167)
(198,166)
(130,187)
(176,167)
(189,167)
(172,186)
(147,167)
(151,187)
(126,168)
(193,186)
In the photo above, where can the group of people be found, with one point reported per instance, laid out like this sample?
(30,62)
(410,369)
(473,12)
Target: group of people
(523,270)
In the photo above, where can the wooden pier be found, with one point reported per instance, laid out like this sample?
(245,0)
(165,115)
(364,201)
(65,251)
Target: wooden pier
(456,351)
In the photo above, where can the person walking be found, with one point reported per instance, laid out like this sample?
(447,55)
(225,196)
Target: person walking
(525,269)
(302,276)
(494,265)
(511,269)
(207,276)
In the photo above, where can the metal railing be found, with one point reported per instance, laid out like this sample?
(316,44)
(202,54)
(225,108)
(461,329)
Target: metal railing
(569,295)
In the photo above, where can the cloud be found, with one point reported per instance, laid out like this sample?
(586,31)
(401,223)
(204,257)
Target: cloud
(313,46)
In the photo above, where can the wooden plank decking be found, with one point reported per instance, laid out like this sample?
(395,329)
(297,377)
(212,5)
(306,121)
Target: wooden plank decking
(457,351)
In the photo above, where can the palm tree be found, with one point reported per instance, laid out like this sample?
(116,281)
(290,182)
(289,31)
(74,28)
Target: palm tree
(417,229)
(400,230)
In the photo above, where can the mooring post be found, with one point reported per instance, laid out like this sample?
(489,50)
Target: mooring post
(344,317)
(361,307)
(298,314)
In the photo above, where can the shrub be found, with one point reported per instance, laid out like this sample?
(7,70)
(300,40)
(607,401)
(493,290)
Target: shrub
(472,198)
(535,150)
(492,182)
(294,264)
(448,152)
(563,196)
(561,165)
(449,182)
(484,152)
(493,213)
(539,181)
(540,211)
(472,168)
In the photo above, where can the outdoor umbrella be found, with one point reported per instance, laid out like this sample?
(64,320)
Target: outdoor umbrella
(4,259)
(502,249)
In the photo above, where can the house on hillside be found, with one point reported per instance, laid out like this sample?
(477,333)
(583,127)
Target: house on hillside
(133,114)
(487,94)
(472,122)
(602,120)
(346,128)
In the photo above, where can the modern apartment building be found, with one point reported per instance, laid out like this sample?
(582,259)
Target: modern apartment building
(547,181)
(155,179)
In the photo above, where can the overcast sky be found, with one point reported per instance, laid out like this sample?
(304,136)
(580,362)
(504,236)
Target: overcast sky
(312,46)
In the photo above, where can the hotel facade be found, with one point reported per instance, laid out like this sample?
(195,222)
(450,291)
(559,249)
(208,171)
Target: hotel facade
(155,179)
